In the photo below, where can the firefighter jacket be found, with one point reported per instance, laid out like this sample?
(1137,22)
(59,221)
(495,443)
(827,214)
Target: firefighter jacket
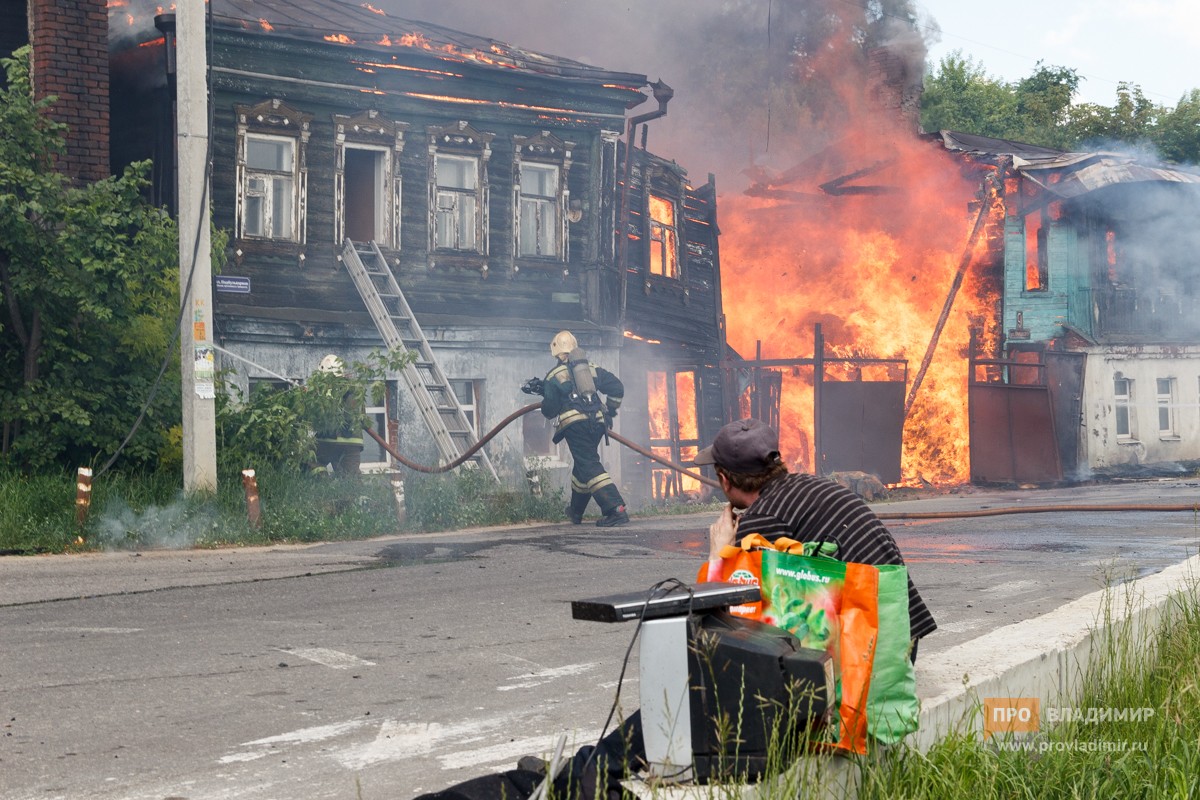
(566,406)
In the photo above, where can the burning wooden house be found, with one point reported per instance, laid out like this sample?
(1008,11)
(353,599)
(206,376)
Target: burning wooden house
(490,182)
(1099,329)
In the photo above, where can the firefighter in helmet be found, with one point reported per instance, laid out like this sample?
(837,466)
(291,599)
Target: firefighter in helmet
(571,395)
(339,436)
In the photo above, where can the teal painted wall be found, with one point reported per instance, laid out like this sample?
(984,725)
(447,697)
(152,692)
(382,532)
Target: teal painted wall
(1042,312)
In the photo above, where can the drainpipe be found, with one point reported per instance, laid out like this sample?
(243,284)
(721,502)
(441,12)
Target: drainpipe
(663,94)
(166,24)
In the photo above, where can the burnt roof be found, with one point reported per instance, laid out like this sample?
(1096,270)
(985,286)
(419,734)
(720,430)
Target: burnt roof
(361,25)
(1091,171)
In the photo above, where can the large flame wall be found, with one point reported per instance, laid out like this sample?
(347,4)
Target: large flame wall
(875,270)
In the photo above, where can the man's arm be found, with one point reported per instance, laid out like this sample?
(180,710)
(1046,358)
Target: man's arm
(721,533)
(613,389)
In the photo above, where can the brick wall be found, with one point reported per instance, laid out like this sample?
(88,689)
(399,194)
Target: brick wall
(70,60)
(895,86)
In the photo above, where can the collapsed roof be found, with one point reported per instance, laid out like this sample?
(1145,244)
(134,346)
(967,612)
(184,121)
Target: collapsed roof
(1094,170)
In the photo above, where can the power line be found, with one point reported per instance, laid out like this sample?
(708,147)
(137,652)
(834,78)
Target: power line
(1033,61)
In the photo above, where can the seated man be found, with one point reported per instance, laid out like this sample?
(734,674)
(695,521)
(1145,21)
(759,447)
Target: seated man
(778,503)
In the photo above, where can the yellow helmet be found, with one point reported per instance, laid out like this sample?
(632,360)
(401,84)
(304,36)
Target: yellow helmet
(333,364)
(562,344)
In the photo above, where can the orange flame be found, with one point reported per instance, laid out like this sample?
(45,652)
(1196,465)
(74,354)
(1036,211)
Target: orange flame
(266,26)
(339,38)
(372,8)
(874,269)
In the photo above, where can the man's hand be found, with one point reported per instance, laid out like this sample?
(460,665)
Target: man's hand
(721,533)
(533,386)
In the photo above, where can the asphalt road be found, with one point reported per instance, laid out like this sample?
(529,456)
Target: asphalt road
(387,668)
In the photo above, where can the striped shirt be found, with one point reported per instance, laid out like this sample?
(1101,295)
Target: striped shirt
(812,509)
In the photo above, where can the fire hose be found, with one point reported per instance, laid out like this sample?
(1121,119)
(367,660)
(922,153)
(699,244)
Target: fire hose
(896,515)
(520,412)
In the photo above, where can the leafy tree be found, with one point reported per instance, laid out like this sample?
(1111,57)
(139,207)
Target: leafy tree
(1133,120)
(1178,134)
(961,96)
(1043,105)
(88,296)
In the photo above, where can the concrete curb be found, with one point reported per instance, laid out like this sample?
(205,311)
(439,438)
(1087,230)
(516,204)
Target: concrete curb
(1046,658)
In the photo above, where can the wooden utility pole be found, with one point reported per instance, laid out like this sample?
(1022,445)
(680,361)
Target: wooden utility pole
(196,356)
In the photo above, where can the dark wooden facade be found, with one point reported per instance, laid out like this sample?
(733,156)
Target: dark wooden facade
(368,107)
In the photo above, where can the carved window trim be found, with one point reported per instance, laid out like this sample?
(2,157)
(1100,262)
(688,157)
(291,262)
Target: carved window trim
(460,140)
(273,119)
(546,150)
(376,132)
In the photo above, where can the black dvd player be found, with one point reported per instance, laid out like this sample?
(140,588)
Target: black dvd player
(673,602)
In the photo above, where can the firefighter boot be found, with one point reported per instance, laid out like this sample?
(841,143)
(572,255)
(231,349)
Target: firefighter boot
(613,518)
(579,504)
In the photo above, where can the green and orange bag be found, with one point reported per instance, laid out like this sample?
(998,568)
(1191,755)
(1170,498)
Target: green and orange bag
(858,613)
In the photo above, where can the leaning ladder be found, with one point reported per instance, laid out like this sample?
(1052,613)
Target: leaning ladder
(396,324)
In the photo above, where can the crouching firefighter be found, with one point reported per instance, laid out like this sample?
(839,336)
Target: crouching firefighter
(571,396)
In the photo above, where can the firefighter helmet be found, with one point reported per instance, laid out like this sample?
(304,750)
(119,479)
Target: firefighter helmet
(333,364)
(562,344)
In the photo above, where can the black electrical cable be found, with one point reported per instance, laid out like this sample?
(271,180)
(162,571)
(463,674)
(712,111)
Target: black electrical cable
(650,595)
(183,303)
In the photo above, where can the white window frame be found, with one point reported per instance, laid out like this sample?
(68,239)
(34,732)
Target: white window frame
(1123,406)
(547,212)
(378,414)
(370,131)
(1166,408)
(473,408)
(553,457)
(448,202)
(269,221)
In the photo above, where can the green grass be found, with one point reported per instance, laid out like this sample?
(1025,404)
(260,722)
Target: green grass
(1152,755)
(147,510)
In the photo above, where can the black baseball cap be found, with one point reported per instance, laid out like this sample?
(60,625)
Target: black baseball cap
(748,445)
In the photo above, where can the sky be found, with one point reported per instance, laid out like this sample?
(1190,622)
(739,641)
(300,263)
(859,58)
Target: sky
(1152,43)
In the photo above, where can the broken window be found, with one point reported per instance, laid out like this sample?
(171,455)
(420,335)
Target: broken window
(1166,407)
(456,216)
(664,238)
(1122,402)
(539,203)
(271,178)
(537,433)
(269,187)
(1036,256)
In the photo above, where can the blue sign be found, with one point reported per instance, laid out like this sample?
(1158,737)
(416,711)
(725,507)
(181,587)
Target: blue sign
(231,283)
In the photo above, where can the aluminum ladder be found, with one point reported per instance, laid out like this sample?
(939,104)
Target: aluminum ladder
(398,326)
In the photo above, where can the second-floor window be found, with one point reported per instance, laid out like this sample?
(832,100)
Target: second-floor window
(456,219)
(539,206)
(269,192)
(1036,254)
(664,238)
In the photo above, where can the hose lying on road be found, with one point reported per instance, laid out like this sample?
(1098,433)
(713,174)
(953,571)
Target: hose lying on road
(898,515)
(995,512)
